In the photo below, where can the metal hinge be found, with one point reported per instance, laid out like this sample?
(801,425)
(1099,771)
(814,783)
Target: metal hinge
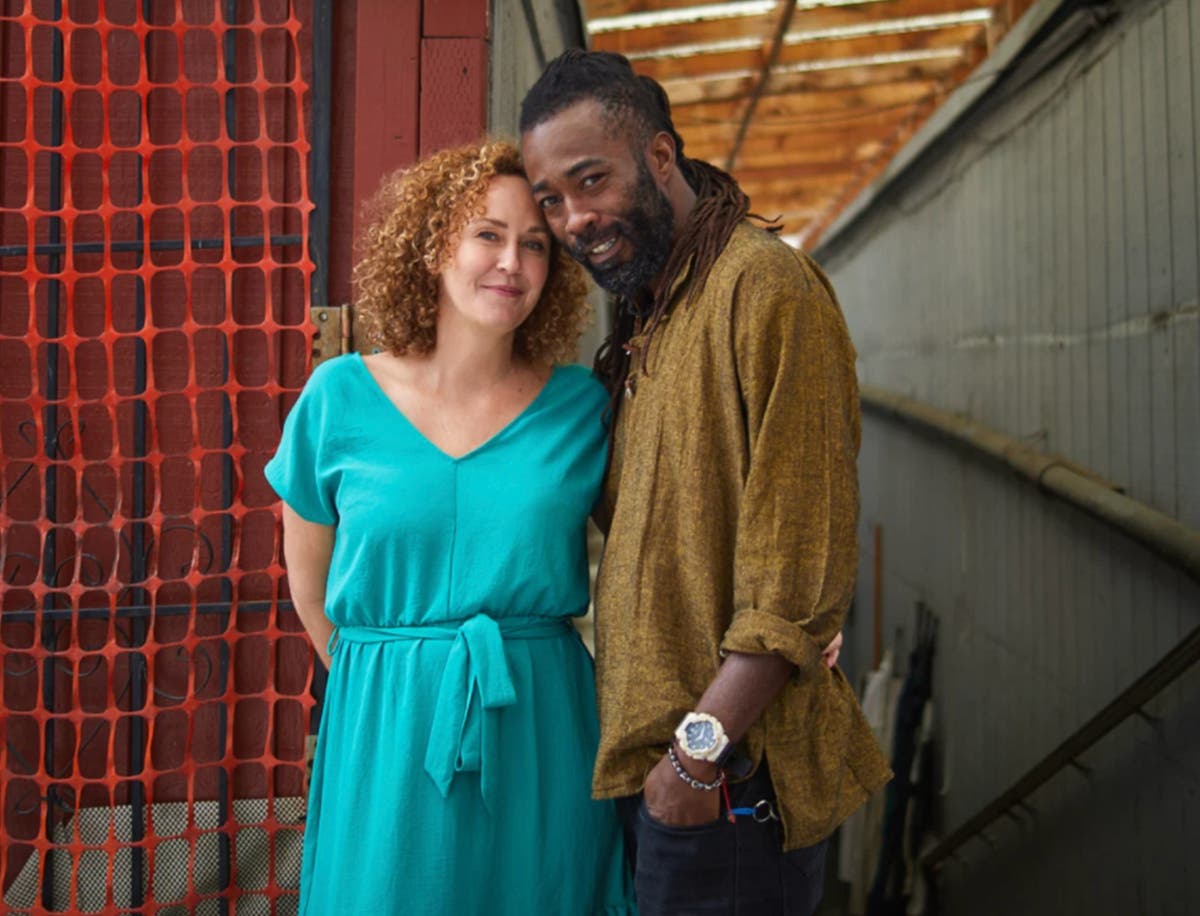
(333,335)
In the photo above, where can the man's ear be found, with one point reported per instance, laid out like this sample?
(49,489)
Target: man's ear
(660,157)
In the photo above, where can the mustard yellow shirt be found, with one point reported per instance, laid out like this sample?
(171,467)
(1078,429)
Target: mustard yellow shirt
(732,505)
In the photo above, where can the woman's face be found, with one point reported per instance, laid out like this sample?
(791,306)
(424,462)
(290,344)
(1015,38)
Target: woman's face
(497,270)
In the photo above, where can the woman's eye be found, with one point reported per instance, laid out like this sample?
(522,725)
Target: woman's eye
(488,234)
(535,245)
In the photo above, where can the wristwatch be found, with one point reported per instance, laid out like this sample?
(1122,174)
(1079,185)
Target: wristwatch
(702,737)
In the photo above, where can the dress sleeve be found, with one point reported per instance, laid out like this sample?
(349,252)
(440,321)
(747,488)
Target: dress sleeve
(795,554)
(300,471)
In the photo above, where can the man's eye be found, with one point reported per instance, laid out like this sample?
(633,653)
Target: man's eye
(547,202)
(589,180)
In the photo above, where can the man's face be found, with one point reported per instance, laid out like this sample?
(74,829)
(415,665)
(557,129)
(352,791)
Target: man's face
(599,197)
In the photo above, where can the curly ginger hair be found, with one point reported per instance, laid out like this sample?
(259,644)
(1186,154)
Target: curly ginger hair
(414,222)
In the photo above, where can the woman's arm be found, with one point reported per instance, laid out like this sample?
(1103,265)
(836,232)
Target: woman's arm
(308,548)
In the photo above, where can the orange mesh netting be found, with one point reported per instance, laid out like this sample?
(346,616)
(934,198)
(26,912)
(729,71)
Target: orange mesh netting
(154,272)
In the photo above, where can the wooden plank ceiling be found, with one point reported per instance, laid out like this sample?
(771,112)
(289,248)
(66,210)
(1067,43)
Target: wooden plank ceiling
(804,102)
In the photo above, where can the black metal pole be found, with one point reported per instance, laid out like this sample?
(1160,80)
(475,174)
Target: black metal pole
(224,847)
(1130,701)
(132,611)
(237,241)
(50,443)
(137,562)
(322,108)
(138,625)
(322,130)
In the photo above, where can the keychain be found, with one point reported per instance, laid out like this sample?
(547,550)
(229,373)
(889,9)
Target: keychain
(762,811)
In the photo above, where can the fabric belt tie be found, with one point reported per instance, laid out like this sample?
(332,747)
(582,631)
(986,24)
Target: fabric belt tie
(476,682)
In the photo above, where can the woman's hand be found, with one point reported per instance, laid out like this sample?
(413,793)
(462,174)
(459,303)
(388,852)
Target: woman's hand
(308,548)
(832,651)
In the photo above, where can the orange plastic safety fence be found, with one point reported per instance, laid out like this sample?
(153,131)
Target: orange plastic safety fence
(154,272)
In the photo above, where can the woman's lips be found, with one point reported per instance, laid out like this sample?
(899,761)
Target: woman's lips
(511,291)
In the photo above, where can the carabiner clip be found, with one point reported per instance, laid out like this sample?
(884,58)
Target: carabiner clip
(764,811)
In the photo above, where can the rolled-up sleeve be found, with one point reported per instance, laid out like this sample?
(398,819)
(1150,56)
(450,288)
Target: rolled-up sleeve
(795,553)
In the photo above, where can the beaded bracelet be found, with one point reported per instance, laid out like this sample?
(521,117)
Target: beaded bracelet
(689,778)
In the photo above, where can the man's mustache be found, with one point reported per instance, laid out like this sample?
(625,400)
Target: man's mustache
(579,250)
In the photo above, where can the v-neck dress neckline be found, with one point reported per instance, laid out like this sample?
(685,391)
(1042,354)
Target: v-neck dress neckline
(511,426)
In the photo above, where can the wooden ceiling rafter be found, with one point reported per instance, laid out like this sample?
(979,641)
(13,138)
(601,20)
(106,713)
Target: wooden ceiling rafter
(802,173)
(760,142)
(786,13)
(668,70)
(757,29)
(804,102)
(824,80)
(817,102)
(895,142)
(830,159)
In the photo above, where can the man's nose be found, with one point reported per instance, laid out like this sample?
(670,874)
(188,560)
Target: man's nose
(579,220)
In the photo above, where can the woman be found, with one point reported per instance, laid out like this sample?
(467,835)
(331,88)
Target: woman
(435,497)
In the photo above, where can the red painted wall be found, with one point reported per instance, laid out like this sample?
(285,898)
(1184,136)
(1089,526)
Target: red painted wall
(419,84)
(456,19)
(453,91)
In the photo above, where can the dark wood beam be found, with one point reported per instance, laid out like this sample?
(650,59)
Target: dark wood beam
(782,24)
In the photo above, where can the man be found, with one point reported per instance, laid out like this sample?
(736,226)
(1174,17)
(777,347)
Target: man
(731,502)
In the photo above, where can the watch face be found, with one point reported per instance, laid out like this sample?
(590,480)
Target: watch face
(701,736)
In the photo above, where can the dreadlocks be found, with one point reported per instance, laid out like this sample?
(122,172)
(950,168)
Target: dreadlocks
(639,106)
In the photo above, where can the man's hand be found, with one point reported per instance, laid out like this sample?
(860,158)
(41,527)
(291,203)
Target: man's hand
(671,801)
(757,678)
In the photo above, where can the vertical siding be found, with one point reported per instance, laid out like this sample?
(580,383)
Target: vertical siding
(514,68)
(1040,274)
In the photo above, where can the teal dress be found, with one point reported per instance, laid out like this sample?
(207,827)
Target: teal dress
(453,766)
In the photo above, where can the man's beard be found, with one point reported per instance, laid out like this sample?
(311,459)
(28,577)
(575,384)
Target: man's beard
(648,226)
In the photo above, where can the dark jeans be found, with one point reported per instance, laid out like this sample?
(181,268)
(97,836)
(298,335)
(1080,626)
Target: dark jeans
(736,869)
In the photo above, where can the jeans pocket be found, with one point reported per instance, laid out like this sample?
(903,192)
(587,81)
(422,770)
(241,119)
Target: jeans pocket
(808,861)
(684,869)
(645,815)
(803,877)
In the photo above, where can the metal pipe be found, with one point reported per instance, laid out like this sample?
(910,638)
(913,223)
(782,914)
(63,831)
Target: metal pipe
(50,440)
(218,244)
(321,195)
(1160,533)
(224,847)
(1167,537)
(322,113)
(138,565)
(1171,666)
(132,611)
